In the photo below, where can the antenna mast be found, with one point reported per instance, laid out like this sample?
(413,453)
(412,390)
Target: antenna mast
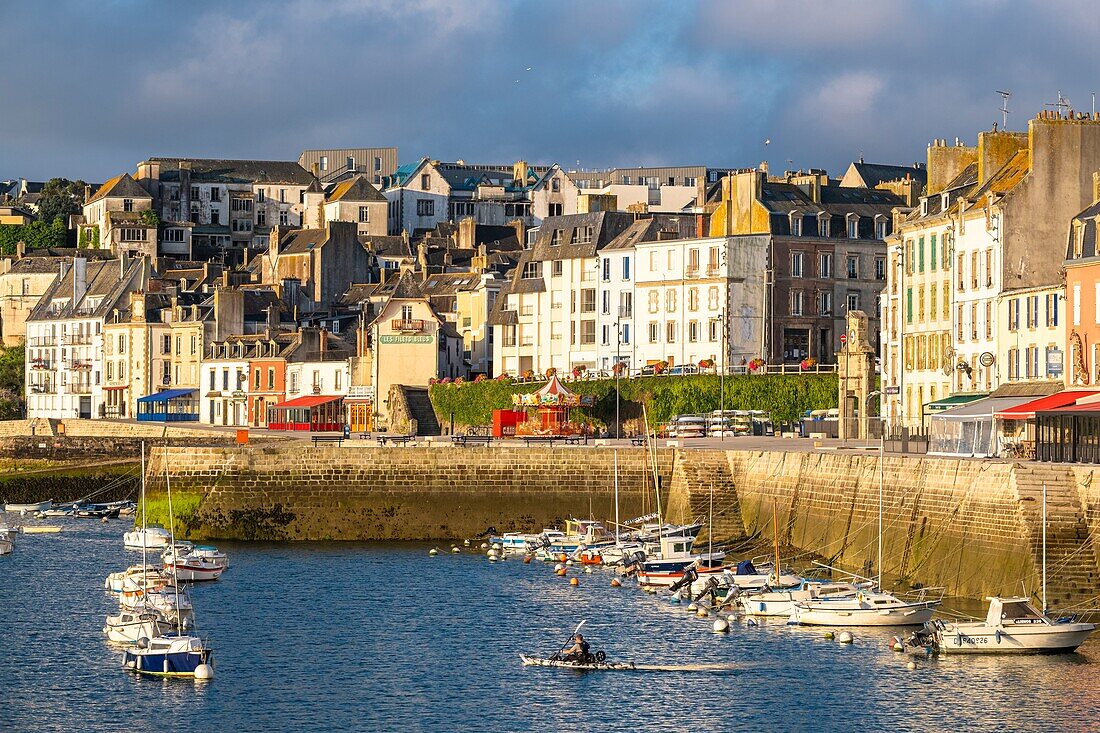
(1004,108)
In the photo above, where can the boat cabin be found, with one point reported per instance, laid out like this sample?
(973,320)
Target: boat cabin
(1012,611)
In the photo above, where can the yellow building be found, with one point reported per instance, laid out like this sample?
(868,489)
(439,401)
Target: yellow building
(136,354)
(15,216)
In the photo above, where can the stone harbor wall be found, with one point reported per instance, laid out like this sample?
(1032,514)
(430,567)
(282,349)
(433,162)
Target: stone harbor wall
(974,527)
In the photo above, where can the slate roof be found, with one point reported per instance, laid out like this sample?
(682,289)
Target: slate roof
(358,188)
(386,245)
(875,173)
(122,186)
(643,230)
(606,225)
(1087,219)
(1007,177)
(103,281)
(301,241)
(214,170)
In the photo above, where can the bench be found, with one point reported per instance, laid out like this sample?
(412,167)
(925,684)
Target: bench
(638,441)
(395,439)
(465,440)
(317,439)
(549,439)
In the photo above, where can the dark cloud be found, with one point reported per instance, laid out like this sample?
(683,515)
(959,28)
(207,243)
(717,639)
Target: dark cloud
(91,88)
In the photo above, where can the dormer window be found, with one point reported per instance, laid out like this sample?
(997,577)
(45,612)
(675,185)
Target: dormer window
(823,224)
(1078,239)
(882,227)
(127,204)
(853,226)
(796,223)
(556,237)
(945,201)
(924,207)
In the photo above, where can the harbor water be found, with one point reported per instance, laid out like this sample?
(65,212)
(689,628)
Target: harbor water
(372,637)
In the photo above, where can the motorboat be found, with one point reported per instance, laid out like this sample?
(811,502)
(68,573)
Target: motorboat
(171,602)
(31,508)
(7,544)
(194,563)
(66,510)
(148,538)
(579,534)
(117,582)
(673,561)
(170,655)
(744,577)
(1012,626)
(523,543)
(864,607)
(96,511)
(129,626)
(769,601)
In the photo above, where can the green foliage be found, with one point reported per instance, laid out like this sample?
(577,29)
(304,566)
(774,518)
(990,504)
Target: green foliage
(785,397)
(12,365)
(89,237)
(36,235)
(60,197)
(149,217)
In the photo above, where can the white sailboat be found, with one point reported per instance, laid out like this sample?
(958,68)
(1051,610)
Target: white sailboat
(7,544)
(870,606)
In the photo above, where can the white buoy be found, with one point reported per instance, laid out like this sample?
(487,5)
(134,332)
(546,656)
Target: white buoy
(752,622)
(204,672)
(558,567)
(433,552)
(455,550)
(104,520)
(911,665)
(844,637)
(701,613)
(492,558)
(896,644)
(466,543)
(485,545)
(692,608)
(588,571)
(569,563)
(674,598)
(721,625)
(496,545)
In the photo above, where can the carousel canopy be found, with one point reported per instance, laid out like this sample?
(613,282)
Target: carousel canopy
(553,393)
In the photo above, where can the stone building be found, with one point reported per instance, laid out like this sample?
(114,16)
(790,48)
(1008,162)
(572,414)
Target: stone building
(313,268)
(334,165)
(113,219)
(353,199)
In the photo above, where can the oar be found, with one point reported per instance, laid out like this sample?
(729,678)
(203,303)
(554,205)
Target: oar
(562,648)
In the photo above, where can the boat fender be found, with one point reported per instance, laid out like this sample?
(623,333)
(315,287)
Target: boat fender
(721,625)
(844,637)
(466,543)
(751,622)
(574,581)
(526,559)
(959,640)
(142,643)
(204,672)
(998,636)
(911,665)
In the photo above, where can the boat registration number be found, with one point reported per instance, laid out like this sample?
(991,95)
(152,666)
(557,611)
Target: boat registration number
(963,639)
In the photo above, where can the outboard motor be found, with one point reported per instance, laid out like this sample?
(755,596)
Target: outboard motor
(711,587)
(690,576)
(745,567)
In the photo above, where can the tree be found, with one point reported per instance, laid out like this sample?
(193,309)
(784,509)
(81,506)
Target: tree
(11,381)
(60,197)
(36,235)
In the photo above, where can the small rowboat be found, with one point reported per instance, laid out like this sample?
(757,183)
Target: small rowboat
(28,508)
(40,529)
(587,667)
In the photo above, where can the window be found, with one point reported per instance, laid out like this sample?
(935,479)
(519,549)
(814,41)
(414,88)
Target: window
(920,255)
(1077,305)
(626,268)
(693,331)
(605,302)
(693,299)
(1013,364)
(132,235)
(425,207)
(588,332)
(215,193)
(122,343)
(605,269)
(626,333)
(261,217)
(654,332)
(1052,309)
(670,332)
(284,218)
(555,184)
(213,379)
(974,270)
(654,301)
(555,268)
(127,204)
(853,267)
(324,163)
(532,270)
(853,227)
(555,209)
(823,225)
(712,329)
(962,276)
(825,265)
(1032,362)
(364,214)
(557,237)
(166,345)
(670,301)
(946,300)
(989,268)
(933,302)
(932,261)
(194,193)
(882,227)
(796,224)
(256,379)
(909,305)
(825,303)
(796,302)
(959,328)
(588,300)
(989,319)
(693,260)
(796,264)
(336,378)
(974,321)
(853,302)
(626,305)
(582,235)
(425,182)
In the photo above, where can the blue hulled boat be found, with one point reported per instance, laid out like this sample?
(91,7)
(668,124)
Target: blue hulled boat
(170,655)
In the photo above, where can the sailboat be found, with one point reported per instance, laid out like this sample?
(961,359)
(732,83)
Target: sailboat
(866,605)
(1012,625)
(170,654)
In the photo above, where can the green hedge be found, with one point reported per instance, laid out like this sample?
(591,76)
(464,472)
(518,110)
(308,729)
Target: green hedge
(36,235)
(784,397)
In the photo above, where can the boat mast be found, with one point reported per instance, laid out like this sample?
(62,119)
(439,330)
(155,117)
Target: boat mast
(881,455)
(775,533)
(615,454)
(1044,548)
(144,518)
(172,531)
(710,525)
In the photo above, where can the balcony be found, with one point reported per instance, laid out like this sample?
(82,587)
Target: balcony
(41,364)
(79,388)
(42,341)
(692,271)
(77,339)
(80,364)
(408,325)
(41,389)
(714,271)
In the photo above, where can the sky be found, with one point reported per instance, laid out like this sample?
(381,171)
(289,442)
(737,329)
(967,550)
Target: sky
(91,88)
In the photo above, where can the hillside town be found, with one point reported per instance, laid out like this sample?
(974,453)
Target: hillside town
(327,293)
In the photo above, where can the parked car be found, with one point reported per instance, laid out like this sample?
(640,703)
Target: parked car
(683,369)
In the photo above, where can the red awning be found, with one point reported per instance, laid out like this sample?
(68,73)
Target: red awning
(106,389)
(1055,401)
(310,401)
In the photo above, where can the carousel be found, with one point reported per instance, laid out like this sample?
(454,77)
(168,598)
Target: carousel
(547,411)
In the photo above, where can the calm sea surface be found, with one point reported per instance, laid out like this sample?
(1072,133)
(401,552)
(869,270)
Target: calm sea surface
(349,637)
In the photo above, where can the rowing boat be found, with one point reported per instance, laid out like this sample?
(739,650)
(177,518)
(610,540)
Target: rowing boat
(585,666)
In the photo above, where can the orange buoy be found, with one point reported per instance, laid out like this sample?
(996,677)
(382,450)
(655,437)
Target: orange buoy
(574,581)
(615,583)
(526,559)
(560,573)
(564,558)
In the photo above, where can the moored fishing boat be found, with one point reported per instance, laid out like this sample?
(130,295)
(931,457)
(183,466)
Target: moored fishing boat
(1011,626)
(674,560)
(7,544)
(145,574)
(780,602)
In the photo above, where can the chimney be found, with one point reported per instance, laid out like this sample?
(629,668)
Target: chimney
(315,169)
(467,233)
(21,246)
(123,264)
(519,173)
(422,257)
(521,232)
(87,193)
(80,279)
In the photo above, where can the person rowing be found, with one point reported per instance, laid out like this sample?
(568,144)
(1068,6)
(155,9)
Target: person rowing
(579,652)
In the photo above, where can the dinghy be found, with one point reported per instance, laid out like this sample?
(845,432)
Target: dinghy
(593,666)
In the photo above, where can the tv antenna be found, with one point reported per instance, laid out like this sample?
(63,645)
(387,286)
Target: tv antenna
(1004,108)
(1061,105)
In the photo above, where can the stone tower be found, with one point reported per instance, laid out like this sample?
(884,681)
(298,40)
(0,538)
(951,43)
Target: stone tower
(855,370)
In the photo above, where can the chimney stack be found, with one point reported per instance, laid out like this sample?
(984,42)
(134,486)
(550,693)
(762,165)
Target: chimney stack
(80,279)
(87,193)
